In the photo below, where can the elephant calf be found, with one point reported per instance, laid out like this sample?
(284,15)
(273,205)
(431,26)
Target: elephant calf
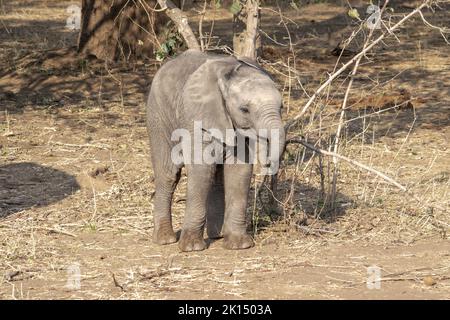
(222,93)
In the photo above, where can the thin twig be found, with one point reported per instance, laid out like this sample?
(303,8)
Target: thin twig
(299,140)
(342,115)
(200,26)
(354,162)
(333,76)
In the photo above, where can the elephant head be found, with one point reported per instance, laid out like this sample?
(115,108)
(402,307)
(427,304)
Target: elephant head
(233,94)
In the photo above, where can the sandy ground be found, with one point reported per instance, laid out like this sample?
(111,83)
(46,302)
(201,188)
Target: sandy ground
(76,181)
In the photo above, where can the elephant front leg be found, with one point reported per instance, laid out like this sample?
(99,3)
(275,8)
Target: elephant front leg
(200,178)
(165,186)
(237,179)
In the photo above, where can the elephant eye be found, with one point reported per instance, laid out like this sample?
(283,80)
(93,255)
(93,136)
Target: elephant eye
(244,109)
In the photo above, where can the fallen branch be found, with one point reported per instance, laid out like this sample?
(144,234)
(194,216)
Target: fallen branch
(408,278)
(316,231)
(354,162)
(116,283)
(299,140)
(153,274)
(87,145)
(57,230)
(17,275)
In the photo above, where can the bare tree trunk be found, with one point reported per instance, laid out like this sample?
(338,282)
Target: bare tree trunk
(112,29)
(181,21)
(246,37)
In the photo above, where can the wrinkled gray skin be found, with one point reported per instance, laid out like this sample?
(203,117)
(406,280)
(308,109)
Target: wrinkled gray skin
(213,89)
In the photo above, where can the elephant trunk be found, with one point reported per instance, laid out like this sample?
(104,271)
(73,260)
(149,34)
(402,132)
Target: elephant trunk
(271,132)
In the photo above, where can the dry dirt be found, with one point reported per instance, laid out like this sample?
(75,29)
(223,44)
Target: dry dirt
(76,182)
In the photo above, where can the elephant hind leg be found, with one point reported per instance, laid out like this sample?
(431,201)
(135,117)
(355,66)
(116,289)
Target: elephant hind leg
(165,184)
(216,206)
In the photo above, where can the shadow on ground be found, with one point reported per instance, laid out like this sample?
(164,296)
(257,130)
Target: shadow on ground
(26,185)
(304,205)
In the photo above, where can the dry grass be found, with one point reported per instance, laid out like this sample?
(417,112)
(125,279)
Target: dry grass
(86,193)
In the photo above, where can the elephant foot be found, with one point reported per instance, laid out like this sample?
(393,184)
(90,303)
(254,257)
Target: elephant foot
(191,241)
(164,235)
(235,241)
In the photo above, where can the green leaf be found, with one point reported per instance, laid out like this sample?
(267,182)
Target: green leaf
(294,5)
(171,43)
(160,56)
(353,13)
(162,53)
(235,8)
(165,48)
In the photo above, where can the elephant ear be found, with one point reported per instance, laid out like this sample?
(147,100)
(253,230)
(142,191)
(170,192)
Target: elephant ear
(205,94)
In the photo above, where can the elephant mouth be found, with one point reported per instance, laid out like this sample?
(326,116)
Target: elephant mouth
(264,143)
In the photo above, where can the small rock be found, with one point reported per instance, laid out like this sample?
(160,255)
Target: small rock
(98,171)
(429,281)
(10,275)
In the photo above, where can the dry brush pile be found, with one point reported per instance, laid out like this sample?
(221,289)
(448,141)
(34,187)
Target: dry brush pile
(343,178)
